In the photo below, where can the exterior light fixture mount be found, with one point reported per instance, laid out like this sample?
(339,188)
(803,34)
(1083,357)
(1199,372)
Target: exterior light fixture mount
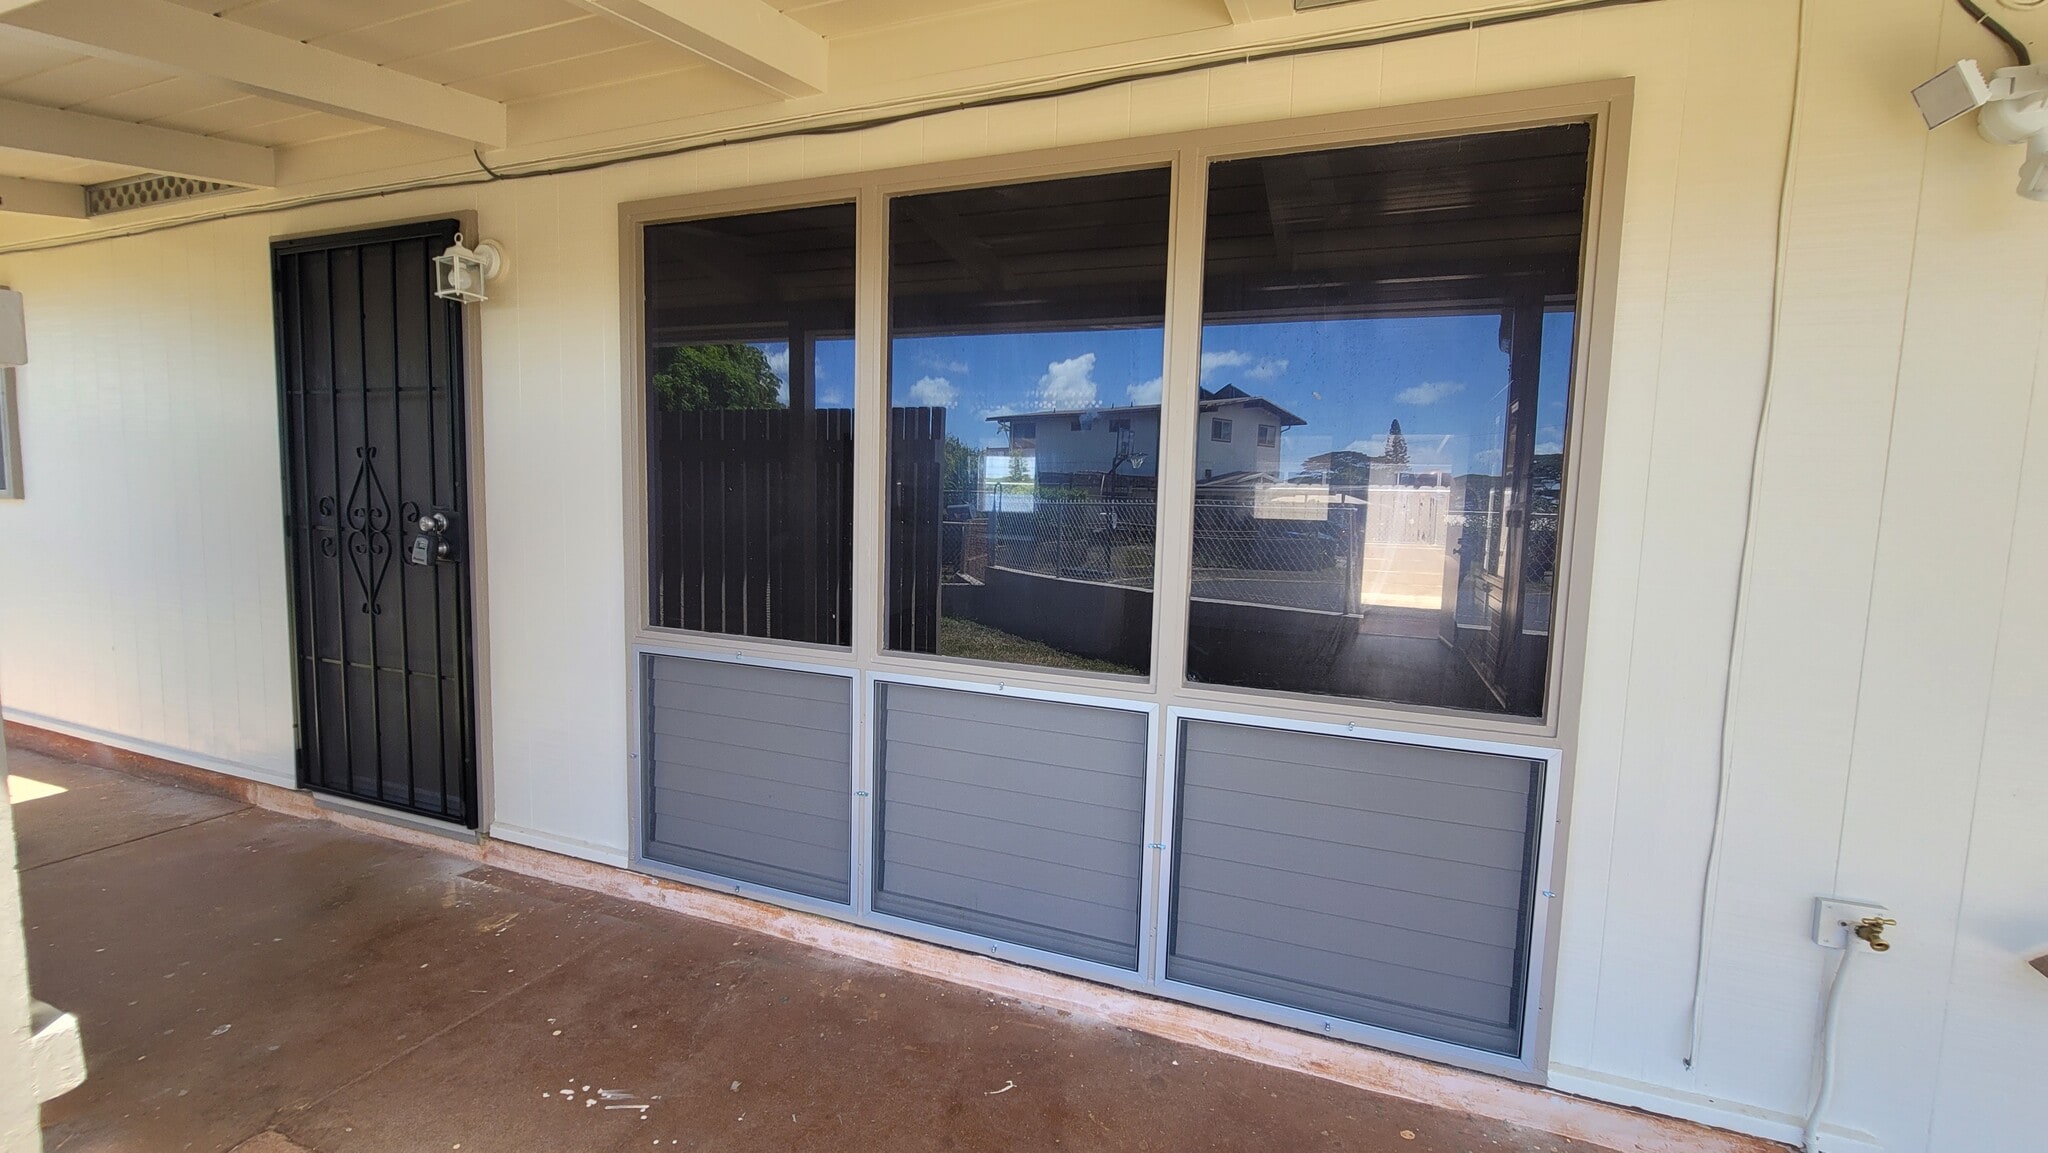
(460,273)
(2014,104)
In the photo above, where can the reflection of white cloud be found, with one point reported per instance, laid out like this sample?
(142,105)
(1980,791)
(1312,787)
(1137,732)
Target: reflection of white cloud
(1146,393)
(939,365)
(1255,367)
(1068,383)
(935,392)
(778,360)
(1549,447)
(1428,393)
(1227,358)
(831,400)
(1267,369)
(1487,458)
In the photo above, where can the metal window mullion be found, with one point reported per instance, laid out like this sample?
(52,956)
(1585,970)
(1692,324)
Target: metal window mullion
(1173,533)
(870,520)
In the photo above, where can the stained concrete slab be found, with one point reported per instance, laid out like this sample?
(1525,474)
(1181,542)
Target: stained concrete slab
(251,980)
(96,809)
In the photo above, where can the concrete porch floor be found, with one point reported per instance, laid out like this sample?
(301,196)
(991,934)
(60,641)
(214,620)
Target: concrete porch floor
(249,979)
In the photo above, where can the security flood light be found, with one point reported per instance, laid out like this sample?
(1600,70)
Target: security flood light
(460,273)
(2015,111)
(1960,88)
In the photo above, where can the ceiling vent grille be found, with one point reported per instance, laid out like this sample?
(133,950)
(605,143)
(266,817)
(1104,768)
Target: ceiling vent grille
(145,191)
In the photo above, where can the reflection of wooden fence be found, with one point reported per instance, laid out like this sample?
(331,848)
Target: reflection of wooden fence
(750,519)
(917,513)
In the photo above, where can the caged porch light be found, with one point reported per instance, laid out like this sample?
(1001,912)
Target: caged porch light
(460,273)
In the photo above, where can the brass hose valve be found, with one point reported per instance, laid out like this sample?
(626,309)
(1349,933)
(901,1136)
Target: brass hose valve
(1871,931)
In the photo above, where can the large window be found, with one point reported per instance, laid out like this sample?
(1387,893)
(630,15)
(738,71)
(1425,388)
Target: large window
(1025,353)
(750,424)
(1327,801)
(1402,315)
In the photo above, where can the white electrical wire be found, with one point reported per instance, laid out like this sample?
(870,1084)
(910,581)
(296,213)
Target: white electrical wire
(1710,884)
(1810,1140)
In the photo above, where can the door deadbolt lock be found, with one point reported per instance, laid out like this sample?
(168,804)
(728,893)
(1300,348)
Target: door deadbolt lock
(435,542)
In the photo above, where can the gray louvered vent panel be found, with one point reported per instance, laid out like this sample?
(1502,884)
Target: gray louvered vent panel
(749,774)
(1016,819)
(1381,883)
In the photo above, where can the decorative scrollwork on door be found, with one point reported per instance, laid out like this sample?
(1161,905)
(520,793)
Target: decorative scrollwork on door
(367,537)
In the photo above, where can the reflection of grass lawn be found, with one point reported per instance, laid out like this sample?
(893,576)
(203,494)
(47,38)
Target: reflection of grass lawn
(978,642)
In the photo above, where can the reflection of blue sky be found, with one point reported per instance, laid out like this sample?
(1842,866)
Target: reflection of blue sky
(831,370)
(1444,378)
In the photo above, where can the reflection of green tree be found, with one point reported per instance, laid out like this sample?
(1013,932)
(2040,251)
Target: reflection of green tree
(1397,446)
(962,465)
(716,376)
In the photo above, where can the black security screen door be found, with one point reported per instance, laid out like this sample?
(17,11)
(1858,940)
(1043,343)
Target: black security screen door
(370,368)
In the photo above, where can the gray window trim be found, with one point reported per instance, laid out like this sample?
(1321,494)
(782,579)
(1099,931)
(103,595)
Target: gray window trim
(10,438)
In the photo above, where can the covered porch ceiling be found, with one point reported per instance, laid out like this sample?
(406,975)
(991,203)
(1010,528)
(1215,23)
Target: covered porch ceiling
(173,98)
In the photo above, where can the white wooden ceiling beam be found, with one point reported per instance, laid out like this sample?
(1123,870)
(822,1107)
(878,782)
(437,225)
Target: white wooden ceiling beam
(56,132)
(1246,11)
(746,36)
(172,38)
(41,198)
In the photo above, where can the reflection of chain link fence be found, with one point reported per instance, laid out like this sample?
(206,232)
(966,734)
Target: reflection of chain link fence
(1109,541)
(1283,562)
(1312,563)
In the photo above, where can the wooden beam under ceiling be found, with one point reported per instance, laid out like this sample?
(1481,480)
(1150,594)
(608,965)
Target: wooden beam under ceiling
(55,132)
(1246,11)
(746,36)
(41,198)
(172,38)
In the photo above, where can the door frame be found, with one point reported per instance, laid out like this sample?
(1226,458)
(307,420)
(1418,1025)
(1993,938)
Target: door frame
(475,532)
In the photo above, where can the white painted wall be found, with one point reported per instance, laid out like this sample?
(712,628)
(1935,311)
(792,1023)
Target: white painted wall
(1894,692)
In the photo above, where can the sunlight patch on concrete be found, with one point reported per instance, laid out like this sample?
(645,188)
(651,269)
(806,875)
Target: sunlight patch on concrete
(20,789)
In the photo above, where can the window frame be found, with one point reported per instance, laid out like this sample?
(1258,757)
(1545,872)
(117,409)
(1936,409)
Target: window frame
(10,436)
(1605,105)
(1219,430)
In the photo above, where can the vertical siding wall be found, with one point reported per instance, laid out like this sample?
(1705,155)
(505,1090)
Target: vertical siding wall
(1890,721)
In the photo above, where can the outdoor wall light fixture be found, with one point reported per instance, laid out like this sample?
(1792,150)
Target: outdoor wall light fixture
(2015,111)
(460,273)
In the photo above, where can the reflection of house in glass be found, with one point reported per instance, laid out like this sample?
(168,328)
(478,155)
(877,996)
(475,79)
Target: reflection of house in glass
(1116,449)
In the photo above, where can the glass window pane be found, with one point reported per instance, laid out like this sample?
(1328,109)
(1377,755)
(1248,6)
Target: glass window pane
(1402,316)
(1026,348)
(750,424)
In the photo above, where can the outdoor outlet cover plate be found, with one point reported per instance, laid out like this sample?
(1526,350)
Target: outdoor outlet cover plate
(1834,918)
